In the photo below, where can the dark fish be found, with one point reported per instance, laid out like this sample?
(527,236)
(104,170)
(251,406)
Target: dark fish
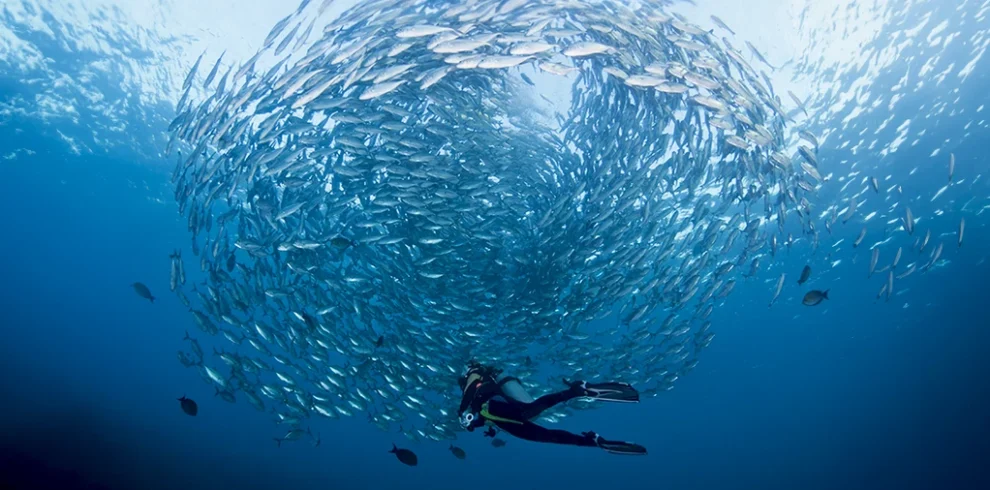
(231,262)
(498,442)
(526,79)
(405,456)
(814,297)
(457,452)
(143,291)
(340,242)
(491,432)
(381,341)
(805,274)
(188,406)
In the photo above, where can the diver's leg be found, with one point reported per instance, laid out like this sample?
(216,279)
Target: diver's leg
(531,410)
(526,410)
(532,432)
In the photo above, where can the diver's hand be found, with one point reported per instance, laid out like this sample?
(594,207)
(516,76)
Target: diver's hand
(468,420)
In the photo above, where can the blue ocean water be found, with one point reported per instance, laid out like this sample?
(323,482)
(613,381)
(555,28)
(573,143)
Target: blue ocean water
(855,394)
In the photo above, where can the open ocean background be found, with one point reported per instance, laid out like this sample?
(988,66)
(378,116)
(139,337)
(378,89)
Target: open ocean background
(854,394)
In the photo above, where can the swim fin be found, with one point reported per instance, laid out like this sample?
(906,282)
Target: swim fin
(617,447)
(608,392)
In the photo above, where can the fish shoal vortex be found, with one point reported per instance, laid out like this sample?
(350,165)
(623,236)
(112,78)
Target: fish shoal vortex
(398,196)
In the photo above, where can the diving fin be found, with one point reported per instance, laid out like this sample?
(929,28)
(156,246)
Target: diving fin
(616,447)
(608,392)
(621,447)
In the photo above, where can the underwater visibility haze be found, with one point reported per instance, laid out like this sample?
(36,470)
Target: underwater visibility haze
(494,244)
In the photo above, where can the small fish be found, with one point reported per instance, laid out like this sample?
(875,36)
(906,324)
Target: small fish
(457,452)
(188,406)
(815,297)
(859,239)
(143,291)
(850,211)
(897,258)
(935,255)
(380,89)
(721,24)
(890,285)
(805,274)
(293,435)
(952,165)
(908,221)
(875,184)
(883,290)
(962,228)
(873,261)
(225,395)
(405,456)
(586,48)
(780,286)
(498,442)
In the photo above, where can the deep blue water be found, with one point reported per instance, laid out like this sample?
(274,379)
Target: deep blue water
(854,394)
(860,395)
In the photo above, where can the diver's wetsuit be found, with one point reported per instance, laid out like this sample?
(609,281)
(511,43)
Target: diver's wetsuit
(513,416)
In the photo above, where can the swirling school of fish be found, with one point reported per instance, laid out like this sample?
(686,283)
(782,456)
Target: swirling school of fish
(386,204)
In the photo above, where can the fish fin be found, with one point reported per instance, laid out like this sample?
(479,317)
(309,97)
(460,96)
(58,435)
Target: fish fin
(187,336)
(825,294)
(394,448)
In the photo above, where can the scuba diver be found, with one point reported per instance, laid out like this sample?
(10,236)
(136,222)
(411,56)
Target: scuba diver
(504,403)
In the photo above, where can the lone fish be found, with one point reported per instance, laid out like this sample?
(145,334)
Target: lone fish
(143,291)
(815,297)
(405,456)
(805,274)
(188,406)
(962,228)
(457,452)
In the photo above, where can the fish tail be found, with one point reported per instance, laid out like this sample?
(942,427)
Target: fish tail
(825,294)
(152,298)
(278,441)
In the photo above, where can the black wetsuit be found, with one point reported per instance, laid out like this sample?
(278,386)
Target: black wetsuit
(514,416)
